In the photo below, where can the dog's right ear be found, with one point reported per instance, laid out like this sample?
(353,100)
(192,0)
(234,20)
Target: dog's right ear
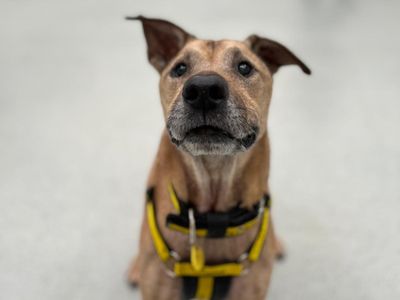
(164,40)
(274,54)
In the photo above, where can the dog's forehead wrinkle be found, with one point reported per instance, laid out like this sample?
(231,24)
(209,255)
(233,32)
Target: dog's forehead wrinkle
(211,49)
(211,45)
(200,46)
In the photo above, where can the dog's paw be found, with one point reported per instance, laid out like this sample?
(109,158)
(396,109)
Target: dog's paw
(280,252)
(133,273)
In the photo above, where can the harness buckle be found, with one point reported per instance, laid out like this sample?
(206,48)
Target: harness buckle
(169,264)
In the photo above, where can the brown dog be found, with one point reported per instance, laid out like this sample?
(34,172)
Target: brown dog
(212,166)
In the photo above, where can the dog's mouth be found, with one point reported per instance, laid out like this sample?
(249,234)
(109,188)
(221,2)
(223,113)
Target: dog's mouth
(209,131)
(213,135)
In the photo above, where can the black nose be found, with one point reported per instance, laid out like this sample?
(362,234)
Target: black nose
(205,92)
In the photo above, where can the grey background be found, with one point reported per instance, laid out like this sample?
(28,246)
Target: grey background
(80,122)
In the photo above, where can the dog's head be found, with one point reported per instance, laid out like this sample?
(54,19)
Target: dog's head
(215,94)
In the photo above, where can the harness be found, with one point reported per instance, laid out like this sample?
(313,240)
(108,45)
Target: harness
(201,280)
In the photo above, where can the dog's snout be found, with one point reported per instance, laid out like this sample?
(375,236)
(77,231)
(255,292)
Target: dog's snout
(205,92)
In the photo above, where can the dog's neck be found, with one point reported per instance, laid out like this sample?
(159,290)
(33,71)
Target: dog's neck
(213,177)
(219,182)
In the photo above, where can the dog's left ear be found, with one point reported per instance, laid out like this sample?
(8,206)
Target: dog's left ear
(273,54)
(164,40)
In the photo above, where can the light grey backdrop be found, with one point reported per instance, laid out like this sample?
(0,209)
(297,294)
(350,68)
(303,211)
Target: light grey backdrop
(80,122)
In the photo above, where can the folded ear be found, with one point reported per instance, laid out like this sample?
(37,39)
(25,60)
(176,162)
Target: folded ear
(164,40)
(274,54)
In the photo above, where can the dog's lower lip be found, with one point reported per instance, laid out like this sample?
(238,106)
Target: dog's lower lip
(207,130)
(212,134)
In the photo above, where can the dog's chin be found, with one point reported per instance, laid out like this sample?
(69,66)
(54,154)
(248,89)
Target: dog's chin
(203,145)
(208,140)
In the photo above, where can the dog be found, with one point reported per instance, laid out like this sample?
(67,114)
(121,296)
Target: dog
(207,231)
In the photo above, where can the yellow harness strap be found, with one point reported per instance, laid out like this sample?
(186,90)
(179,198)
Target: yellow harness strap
(174,198)
(229,269)
(205,288)
(258,244)
(159,244)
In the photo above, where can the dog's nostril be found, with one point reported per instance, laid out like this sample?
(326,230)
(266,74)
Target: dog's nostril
(191,93)
(216,92)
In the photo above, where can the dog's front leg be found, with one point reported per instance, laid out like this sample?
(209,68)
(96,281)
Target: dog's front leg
(134,271)
(135,268)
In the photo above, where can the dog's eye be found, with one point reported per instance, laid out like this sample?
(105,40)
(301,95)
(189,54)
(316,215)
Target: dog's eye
(245,68)
(179,70)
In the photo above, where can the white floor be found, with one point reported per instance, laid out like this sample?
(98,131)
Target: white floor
(80,121)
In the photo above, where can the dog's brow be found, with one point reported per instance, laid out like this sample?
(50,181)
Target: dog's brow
(232,52)
(190,55)
(235,52)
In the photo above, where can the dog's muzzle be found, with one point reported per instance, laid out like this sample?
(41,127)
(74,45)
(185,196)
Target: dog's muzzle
(205,119)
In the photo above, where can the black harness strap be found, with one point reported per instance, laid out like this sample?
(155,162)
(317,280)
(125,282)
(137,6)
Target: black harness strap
(189,287)
(216,223)
(220,288)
